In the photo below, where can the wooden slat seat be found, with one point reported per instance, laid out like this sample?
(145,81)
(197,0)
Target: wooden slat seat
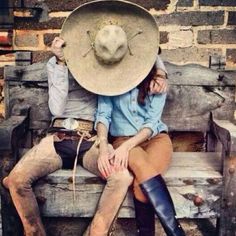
(191,174)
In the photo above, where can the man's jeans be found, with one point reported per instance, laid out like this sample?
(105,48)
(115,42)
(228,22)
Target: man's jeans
(42,160)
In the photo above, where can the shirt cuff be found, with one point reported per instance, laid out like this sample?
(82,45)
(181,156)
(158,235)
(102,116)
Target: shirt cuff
(102,120)
(150,126)
(160,64)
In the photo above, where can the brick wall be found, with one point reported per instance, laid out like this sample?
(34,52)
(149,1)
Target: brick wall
(191,30)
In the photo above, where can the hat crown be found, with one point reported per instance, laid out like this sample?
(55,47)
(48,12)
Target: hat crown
(110,44)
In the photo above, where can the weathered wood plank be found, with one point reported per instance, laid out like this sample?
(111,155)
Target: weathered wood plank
(37,99)
(195,166)
(192,176)
(191,74)
(183,111)
(197,75)
(57,200)
(32,73)
(188,108)
(231,127)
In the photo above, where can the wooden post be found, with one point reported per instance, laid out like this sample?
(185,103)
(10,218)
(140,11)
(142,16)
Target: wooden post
(225,132)
(227,222)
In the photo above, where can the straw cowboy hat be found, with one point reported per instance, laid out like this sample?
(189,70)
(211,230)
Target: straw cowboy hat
(111,45)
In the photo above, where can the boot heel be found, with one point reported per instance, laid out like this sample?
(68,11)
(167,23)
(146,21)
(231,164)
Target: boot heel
(145,218)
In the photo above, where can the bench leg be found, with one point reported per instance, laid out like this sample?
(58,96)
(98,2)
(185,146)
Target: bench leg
(227,221)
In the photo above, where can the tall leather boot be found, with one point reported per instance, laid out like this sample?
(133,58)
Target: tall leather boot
(145,218)
(156,191)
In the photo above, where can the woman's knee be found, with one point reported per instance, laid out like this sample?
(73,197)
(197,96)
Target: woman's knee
(139,165)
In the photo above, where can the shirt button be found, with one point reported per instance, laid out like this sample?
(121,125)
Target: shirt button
(134,111)
(136,120)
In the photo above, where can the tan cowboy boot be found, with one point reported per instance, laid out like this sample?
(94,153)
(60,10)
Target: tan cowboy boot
(36,163)
(112,196)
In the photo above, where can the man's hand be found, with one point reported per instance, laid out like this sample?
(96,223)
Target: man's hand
(159,83)
(104,164)
(56,49)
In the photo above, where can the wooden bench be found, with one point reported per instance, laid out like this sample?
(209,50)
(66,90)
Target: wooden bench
(202,184)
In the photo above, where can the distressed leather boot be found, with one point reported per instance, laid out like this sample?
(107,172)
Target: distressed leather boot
(145,218)
(36,163)
(156,191)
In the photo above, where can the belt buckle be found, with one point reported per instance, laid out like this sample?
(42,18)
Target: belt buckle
(70,123)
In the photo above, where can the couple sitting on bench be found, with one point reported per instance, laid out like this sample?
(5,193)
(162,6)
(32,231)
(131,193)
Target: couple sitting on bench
(107,48)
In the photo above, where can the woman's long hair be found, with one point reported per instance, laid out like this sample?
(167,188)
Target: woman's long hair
(145,84)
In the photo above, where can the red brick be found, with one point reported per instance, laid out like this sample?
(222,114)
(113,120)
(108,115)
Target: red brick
(26,38)
(186,55)
(232,18)
(32,24)
(1,76)
(39,56)
(224,36)
(231,57)
(185,3)
(6,38)
(55,5)
(48,38)
(217,2)
(192,18)
(164,37)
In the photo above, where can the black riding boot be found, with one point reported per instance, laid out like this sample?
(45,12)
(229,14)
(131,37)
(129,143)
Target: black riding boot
(156,191)
(145,218)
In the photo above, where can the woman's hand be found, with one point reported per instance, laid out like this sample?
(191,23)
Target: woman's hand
(121,155)
(159,83)
(104,165)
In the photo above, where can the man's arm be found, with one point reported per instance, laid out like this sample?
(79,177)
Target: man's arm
(102,122)
(58,83)
(159,84)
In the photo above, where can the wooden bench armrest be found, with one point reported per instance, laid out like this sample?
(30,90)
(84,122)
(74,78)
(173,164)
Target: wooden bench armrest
(223,131)
(11,130)
(231,129)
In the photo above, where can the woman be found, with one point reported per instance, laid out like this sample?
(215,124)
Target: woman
(142,144)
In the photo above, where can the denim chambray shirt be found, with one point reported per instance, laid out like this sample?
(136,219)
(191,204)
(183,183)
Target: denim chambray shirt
(123,116)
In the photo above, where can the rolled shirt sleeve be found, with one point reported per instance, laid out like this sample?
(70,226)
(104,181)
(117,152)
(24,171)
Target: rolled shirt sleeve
(104,110)
(58,86)
(154,113)
(160,64)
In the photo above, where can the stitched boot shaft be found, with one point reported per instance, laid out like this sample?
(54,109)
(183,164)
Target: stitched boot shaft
(36,163)
(156,191)
(145,218)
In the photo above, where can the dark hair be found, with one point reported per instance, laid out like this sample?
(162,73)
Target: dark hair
(144,86)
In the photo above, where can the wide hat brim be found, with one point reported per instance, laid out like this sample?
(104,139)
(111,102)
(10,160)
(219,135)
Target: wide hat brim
(122,76)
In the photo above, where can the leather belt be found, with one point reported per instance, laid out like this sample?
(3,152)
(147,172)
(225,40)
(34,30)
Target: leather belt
(73,124)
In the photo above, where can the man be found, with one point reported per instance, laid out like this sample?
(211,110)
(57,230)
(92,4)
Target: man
(73,107)
(43,159)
